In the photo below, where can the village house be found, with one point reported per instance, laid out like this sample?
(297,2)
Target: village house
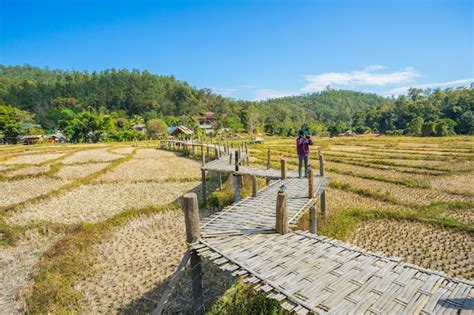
(207,122)
(180,131)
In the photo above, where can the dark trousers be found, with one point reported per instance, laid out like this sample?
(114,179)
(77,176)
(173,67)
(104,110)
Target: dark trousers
(303,159)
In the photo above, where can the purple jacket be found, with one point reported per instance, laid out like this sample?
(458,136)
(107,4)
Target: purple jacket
(302,146)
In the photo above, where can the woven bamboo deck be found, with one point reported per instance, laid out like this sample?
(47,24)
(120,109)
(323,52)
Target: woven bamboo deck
(309,273)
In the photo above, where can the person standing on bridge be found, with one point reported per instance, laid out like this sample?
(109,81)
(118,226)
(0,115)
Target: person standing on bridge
(302,148)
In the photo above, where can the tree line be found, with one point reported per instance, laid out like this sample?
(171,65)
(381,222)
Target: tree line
(107,103)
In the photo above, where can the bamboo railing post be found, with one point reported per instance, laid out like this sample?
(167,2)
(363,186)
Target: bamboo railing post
(254,186)
(207,150)
(203,179)
(310,183)
(269,159)
(230,159)
(191,219)
(247,158)
(321,163)
(237,161)
(238,178)
(281,224)
(220,180)
(314,220)
(283,168)
(203,158)
(323,194)
(237,187)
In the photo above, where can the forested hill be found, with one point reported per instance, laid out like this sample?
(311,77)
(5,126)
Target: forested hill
(55,97)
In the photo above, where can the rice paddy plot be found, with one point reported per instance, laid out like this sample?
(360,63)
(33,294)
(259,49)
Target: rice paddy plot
(79,170)
(28,170)
(409,196)
(132,261)
(88,156)
(92,203)
(157,169)
(421,244)
(17,268)
(153,154)
(122,150)
(32,158)
(21,190)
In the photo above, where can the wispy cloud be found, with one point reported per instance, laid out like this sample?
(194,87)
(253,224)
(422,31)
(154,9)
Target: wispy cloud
(264,94)
(447,84)
(370,76)
(224,91)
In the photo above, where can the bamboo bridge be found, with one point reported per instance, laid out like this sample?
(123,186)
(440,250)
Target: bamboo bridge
(305,272)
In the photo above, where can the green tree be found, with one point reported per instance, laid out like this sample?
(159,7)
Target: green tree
(415,126)
(156,128)
(428,129)
(445,127)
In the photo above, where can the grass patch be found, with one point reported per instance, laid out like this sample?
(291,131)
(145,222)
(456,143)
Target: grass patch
(241,298)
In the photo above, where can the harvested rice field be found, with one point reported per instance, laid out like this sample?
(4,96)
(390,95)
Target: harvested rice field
(98,228)
(96,202)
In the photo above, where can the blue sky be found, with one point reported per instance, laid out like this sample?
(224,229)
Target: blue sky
(250,49)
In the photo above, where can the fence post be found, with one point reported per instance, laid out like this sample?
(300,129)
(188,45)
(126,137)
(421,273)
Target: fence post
(281,224)
(323,194)
(321,163)
(254,186)
(314,222)
(191,218)
(310,183)
(283,168)
(203,158)
(203,178)
(237,161)
(237,188)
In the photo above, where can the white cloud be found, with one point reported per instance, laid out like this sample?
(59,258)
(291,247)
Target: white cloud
(455,83)
(374,68)
(264,94)
(224,91)
(370,76)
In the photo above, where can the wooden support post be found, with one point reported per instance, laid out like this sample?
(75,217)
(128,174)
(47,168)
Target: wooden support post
(203,158)
(269,165)
(237,161)
(203,178)
(323,204)
(321,163)
(323,194)
(237,185)
(314,220)
(220,181)
(230,159)
(281,224)
(247,158)
(207,150)
(283,168)
(191,219)
(310,183)
(269,159)
(254,186)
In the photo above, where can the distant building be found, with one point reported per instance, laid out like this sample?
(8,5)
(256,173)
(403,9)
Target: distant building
(207,122)
(57,137)
(140,128)
(31,139)
(181,130)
